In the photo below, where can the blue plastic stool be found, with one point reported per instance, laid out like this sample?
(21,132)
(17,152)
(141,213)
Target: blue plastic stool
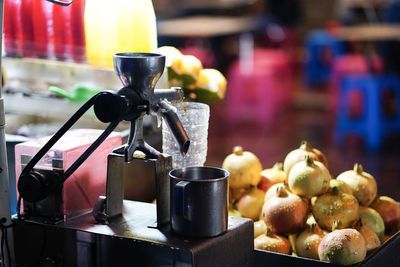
(373,125)
(392,12)
(316,70)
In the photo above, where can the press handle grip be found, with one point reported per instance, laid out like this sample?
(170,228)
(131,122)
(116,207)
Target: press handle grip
(181,199)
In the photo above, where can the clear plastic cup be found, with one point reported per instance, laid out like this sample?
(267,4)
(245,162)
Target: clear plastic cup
(194,117)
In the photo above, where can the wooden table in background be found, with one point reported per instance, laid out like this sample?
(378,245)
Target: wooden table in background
(369,32)
(205,26)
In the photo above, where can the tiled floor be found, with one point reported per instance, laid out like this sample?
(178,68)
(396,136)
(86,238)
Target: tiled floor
(309,121)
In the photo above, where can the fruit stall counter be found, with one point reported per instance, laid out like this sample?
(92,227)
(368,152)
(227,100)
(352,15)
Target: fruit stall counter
(131,239)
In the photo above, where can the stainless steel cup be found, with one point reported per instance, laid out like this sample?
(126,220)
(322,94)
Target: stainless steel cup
(199,201)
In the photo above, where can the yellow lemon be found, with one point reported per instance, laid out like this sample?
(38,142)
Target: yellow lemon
(210,86)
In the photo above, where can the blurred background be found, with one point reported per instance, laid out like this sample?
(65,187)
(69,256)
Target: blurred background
(322,71)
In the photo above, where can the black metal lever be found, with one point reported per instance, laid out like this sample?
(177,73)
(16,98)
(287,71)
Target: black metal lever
(33,186)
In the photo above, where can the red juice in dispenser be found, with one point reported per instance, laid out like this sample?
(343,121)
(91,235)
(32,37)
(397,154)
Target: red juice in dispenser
(25,27)
(76,37)
(10,27)
(68,30)
(60,30)
(42,27)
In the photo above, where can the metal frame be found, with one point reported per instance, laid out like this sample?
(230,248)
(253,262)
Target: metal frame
(5,210)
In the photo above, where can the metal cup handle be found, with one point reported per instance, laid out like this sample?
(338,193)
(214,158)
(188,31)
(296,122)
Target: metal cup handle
(181,198)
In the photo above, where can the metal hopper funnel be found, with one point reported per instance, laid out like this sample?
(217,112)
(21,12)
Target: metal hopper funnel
(139,71)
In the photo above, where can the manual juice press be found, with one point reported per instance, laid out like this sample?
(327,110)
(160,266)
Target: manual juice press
(90,237)
(139,74)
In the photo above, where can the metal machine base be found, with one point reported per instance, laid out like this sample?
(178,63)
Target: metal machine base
(128,241)
(141,180)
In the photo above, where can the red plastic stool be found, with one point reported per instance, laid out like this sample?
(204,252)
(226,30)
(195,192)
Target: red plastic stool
(281,65)
(260,89)
(205,55)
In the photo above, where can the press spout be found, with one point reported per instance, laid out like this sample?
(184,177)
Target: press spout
(175,125)
(173,94)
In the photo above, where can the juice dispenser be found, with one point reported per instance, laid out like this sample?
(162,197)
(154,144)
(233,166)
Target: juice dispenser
(120,25)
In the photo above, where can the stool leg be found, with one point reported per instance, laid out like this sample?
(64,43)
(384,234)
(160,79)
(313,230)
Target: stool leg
(235,105)
(397,118)
(392,83)
(373,112)
(397,107)
(267,101)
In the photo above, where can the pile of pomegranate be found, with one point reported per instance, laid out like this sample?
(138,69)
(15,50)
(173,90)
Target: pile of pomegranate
(298,208)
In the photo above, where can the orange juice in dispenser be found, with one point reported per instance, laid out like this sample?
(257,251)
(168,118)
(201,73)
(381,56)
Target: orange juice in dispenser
(118,26)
